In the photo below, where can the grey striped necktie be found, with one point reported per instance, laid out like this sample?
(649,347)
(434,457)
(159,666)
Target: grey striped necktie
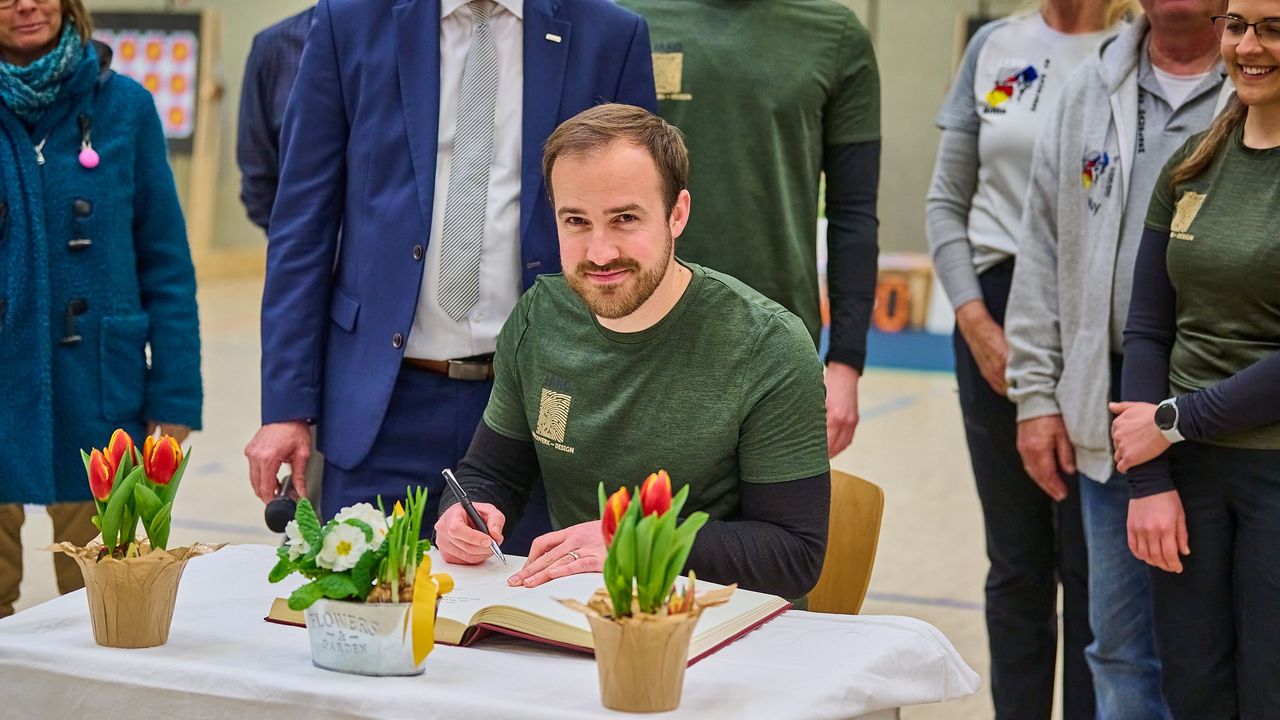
(464,208)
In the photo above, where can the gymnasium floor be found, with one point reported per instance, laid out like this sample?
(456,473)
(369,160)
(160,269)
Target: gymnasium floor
(930,563)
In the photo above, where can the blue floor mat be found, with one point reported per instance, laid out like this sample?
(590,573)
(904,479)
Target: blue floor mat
(906,350)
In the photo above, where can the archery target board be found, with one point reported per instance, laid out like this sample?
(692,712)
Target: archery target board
(162,53)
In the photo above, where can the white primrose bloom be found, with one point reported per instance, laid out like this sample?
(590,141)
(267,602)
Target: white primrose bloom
(343,547)
(369,515)
(298,545)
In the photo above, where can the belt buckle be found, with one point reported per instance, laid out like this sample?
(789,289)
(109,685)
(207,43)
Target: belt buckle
(468,370)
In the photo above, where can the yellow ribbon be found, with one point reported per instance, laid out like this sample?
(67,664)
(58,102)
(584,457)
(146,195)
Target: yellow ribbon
(427,589)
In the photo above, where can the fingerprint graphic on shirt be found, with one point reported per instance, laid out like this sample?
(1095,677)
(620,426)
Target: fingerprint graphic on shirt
(553,415)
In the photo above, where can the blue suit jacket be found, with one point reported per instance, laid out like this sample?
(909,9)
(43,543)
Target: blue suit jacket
(358,152)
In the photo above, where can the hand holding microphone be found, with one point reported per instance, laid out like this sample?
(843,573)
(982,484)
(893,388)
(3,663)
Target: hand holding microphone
(281,509)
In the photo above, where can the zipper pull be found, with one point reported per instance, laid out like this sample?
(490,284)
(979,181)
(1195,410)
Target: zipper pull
(40,151)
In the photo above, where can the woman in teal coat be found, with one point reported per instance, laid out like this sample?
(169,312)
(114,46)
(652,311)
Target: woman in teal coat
(98,324)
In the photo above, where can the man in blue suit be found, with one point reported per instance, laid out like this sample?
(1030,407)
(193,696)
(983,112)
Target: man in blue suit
(416,126)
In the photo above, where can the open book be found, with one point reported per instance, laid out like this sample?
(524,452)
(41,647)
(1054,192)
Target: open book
(483,603)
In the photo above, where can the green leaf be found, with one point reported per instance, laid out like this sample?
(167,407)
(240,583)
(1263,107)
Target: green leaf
(599,488)
(120,496)
(338,586)
(677,502)
(660,560)
(147,502)
(160,527)
(364,527)
(362,573)
(128,525)
(308,523)
(171,489)
(644,547)
(305,596)
(683,543)
(85,457)
(97,521)
(283,569)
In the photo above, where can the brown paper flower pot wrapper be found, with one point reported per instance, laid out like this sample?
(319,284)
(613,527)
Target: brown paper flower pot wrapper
(641,658)
(131,600)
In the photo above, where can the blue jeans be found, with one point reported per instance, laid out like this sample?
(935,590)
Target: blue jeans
(1122,656)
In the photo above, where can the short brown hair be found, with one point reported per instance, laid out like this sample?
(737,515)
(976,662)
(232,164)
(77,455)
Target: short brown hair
(596,128)
(75,11)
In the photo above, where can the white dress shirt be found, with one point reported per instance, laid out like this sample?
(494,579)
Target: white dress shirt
(435,336)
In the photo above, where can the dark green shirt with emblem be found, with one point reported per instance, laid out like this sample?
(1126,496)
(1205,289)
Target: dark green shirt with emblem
(726,389)
(1223,261)
(759,87)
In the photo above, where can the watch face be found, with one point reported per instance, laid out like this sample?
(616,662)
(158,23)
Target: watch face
(1166,417)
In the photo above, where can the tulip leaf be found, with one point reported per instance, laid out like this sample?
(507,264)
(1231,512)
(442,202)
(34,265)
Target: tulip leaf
(169,491)
(660,560)
(599,488)
(159,532)
(120,495)
(677,503)
(644,548)
(85,457)
(147,502)
(684,542)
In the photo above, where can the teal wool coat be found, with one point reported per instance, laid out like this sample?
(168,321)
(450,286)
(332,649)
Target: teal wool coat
(98,324)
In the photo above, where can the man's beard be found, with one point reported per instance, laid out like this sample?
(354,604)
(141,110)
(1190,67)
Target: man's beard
(624,298)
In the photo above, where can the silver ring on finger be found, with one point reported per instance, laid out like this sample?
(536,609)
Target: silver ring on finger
(574,554)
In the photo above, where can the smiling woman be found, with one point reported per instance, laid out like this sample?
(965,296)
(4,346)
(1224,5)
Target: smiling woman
(1203,323)
(98,271)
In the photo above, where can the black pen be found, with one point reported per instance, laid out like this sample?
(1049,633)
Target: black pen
(476,520)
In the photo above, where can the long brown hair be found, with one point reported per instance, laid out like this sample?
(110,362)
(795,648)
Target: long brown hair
(1215,138)
(75,11)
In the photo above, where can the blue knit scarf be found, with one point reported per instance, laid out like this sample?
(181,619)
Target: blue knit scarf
(29,91)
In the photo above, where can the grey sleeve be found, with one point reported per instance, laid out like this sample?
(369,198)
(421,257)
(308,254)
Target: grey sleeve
(1031,323)
(955,177)
(959,110)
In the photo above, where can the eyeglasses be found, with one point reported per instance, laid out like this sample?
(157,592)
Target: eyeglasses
(1233,29)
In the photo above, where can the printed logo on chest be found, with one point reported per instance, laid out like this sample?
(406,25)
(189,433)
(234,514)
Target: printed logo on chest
(1097,175)
(1184,214)
(1013,80)
(668,71)
(553,414)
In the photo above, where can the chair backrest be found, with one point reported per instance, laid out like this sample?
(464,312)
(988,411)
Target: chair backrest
(854,532)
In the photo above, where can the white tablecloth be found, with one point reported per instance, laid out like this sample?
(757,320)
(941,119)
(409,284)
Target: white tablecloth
(223,661)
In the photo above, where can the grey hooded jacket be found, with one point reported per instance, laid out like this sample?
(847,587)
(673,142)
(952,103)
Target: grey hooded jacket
(1059,314)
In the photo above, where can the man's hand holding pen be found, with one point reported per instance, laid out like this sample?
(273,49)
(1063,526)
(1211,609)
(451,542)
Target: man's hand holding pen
(460,542)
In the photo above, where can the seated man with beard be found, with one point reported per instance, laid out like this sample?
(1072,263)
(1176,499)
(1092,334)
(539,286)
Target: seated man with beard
(631,361)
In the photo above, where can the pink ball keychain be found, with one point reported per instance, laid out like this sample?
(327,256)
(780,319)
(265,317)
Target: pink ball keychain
(88,156)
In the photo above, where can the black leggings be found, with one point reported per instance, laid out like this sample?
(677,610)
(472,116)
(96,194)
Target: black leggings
(1218,622)
(1033,543)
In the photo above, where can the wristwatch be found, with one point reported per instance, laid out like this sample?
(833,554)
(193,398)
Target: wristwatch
(1167,420)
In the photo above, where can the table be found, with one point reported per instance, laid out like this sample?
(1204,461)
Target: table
(223,661)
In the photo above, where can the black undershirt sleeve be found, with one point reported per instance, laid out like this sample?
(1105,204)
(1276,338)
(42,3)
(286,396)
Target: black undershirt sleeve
(497,470)
(1148,340)
(777,543)
(1246,400)
(853,179)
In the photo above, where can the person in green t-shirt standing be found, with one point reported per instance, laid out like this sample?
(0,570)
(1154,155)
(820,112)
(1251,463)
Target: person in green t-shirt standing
(632,360)
(771,95)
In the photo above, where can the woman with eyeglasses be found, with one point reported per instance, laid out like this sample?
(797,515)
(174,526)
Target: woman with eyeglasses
(1012,73)
(98,326)
(1201,428)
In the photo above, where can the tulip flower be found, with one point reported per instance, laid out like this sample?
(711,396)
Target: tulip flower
(101,475)
(121,445)
(655,494)
(614,508)
(161,458)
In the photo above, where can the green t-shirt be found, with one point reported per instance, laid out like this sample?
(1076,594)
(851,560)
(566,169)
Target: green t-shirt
(727,388)
(1224,263)
(759,87)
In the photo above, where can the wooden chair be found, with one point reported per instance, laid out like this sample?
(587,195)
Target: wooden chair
(854,531)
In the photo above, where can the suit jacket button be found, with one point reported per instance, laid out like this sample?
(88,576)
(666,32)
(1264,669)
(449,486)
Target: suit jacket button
(397,340)
(417,252)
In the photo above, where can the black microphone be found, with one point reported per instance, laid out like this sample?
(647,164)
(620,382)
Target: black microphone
(281,510)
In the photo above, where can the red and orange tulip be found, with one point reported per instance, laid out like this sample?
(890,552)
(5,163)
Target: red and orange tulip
(655,494)
(161,458)
(120,446)
(101,475)
(614,508)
